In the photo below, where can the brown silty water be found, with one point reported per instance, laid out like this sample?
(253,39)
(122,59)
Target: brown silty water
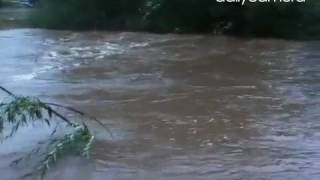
(181,107)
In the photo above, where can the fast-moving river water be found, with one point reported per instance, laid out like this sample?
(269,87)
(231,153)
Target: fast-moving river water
(181,107)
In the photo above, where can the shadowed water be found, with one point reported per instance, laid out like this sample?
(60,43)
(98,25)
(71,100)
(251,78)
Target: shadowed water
(189,107)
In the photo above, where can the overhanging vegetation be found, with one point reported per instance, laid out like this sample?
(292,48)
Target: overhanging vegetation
(19,111)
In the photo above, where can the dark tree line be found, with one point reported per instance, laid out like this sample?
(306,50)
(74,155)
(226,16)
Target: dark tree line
(183,16)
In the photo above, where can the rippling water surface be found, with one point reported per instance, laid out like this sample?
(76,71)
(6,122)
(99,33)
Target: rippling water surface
(189,107)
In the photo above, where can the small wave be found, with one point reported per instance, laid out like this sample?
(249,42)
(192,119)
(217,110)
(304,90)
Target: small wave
(85,52)
(32,75)
(258,97)
(137,45)
(24,77)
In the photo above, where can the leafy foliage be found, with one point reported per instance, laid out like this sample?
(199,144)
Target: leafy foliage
(84,14)
(287,20)
(19,111)
(79,141)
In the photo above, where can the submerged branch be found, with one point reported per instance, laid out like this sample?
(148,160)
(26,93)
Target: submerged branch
(82,114)
(7,91)
(50,110)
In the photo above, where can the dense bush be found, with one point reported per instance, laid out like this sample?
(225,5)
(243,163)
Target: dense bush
(87,14)
(289,20)
(253,19)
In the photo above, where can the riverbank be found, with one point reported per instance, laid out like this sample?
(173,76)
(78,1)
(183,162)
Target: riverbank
(277,20)
(14,15)
(300,22)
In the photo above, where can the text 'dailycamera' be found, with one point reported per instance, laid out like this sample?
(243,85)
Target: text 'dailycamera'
(243,2)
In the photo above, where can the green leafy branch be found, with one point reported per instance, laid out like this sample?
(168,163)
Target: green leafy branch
(22,111)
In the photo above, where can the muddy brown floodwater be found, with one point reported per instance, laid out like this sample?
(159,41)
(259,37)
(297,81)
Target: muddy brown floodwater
(181,107)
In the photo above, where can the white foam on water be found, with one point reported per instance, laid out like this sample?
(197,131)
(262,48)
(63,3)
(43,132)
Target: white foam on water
(33,74)
(24,77)
(137,45)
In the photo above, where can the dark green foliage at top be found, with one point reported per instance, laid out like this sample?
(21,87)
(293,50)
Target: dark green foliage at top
(289,20)
(179,15)
(87,14)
